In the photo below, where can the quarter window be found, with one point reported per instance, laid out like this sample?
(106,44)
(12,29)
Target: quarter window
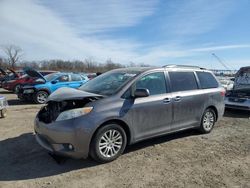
(183,81)
(207,80)
(154,82)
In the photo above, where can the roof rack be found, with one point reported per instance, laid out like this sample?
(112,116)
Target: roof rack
(183,66)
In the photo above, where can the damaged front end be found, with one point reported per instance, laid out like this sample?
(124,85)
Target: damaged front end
(53,111)
(66,103)
(61,137)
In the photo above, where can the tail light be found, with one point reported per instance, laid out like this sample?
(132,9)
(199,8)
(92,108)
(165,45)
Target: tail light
(223,93)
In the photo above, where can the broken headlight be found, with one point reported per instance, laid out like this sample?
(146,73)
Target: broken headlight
(70,114)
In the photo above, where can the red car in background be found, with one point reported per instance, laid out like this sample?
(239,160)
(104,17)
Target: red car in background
(15,84)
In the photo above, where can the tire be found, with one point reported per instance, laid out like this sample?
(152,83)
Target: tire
(16,88)
(103,150)
(208,120)
(3,113)
(41,97)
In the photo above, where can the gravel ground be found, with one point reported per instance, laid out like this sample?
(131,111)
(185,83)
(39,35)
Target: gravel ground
(186,159)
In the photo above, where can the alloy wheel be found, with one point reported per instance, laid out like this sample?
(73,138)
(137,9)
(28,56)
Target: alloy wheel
(208,120)
(42,97)
(110,143)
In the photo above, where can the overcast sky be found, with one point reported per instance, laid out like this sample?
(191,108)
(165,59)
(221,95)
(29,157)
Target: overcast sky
(142,31)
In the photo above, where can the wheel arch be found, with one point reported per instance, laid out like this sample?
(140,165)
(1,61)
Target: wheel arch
(119,122)
(214,109)
(43,89)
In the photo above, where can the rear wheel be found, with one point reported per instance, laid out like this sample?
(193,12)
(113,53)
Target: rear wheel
(3,113)
(208,121)
(108,143)
(41,97)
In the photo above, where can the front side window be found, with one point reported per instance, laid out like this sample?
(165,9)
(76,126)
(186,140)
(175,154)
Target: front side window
(64,78)
(207,80)
(183,81)
(154,82)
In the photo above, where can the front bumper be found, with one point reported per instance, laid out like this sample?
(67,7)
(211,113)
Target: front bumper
(238,105)
(56,137)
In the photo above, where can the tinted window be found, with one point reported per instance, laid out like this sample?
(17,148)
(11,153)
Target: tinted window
(154,82)
(207,80)
(183,81)
(75,77)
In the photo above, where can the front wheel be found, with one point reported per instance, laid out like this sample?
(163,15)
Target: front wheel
(41,97)
(17,88)
(207,121)
(108,143)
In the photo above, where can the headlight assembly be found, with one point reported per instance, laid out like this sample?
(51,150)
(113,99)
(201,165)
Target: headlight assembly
(70,114)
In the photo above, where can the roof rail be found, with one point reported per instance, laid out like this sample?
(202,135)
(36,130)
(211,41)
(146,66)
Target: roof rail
(183,66)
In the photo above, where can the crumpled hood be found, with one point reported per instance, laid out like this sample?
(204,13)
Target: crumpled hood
(66,93)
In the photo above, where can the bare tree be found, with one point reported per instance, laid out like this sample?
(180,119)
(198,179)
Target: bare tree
(14,54)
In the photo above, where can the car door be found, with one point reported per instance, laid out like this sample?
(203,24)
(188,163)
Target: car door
(75,81)
(188,101)
(61,81)
(151,115)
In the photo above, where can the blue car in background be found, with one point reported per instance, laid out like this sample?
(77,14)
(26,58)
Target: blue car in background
(45,85)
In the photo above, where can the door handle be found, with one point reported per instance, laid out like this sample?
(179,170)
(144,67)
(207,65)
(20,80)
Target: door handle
(166,100)
(177,99)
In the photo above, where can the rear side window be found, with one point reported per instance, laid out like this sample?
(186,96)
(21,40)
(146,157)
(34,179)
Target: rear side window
(75,77)
(207,80)
(183,81)
(154,82)
(64,78)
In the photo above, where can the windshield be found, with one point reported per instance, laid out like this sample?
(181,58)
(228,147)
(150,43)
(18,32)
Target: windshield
(51,77)
(110,82)
(242,79)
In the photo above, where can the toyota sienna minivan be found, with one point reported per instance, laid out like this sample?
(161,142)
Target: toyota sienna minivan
(125,106)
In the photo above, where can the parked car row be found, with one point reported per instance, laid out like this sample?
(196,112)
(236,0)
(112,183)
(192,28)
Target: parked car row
(8,75)
(43,86)
(36,86)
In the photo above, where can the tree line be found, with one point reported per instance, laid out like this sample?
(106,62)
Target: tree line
(13,55)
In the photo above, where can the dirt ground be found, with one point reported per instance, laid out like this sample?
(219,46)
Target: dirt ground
(186,159)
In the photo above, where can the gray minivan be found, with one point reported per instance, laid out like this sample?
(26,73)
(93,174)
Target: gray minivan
(128,105)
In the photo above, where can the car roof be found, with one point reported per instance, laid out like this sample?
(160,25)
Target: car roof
(166,67)
(135,69)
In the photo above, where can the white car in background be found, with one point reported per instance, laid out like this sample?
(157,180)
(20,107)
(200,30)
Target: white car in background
(227,84)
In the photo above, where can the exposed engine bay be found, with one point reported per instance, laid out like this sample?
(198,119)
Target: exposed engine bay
(51,111)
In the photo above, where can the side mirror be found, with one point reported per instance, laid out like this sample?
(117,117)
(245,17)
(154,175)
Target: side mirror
(55,81)
(141,93)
